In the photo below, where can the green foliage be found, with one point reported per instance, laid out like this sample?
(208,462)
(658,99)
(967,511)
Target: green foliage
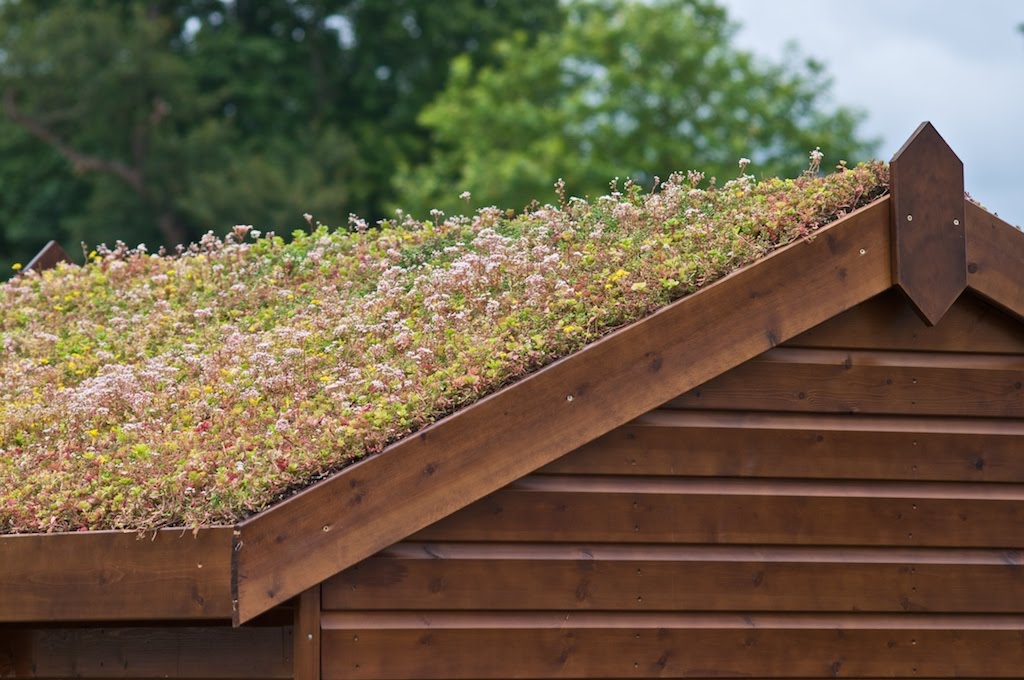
(158,121)
(625,87)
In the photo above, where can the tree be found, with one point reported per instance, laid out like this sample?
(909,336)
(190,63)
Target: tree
(157,121)
(626,88)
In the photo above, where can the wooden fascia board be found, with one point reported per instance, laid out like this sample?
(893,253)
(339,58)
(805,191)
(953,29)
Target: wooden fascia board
(995,259)
(315,534)
(171,574)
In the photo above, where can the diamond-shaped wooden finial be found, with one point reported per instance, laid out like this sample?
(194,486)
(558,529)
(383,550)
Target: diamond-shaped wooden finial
(929,257)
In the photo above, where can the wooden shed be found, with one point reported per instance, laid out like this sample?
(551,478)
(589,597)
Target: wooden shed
(812,468)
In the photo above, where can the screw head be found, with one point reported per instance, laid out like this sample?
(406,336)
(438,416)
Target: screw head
(910,218)
(956,223)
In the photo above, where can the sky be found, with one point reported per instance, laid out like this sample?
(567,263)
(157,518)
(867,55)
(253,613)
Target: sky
(958,64)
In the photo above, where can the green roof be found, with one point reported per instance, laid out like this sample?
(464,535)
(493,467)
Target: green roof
(143,390)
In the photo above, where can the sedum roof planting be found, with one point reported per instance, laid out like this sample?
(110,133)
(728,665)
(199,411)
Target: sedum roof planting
(142,391)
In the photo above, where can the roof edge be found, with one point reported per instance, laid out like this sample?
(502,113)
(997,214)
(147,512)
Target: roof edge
(995,257)
(351,515)
(170,574)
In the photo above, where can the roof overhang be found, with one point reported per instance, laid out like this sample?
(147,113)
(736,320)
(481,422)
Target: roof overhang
(240,572)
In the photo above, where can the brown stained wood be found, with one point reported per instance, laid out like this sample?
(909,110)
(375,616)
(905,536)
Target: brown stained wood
(423,478)
(179,652)
(759,517)
(49,257)
(995,258)
(889,322)
(857,381)
(689,579)
(15,652)
(929,261)
(307,635)
(729,444)
(676,652)
(116,576)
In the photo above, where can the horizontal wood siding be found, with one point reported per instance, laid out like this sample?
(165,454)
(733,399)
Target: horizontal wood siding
(850,504)
(196,653)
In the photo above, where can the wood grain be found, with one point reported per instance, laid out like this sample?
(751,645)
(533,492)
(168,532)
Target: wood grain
(889,322)
(651,578)
(307,635)
(850,646)
(742,514)
(929,261)
(995,251)
(858,381)
(730,444)
(144,652)
(423,478)
(115,576)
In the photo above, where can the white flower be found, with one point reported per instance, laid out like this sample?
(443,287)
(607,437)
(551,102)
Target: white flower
(465,195)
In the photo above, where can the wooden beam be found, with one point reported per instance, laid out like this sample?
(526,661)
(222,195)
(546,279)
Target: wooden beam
(15,653)
(929,262)
(772,444)
(375,503)
(116,576)
(49,257)
(995,260)
(566,577)
(307,635)
(199,653)
(866,382)
(890,322)
(555,645)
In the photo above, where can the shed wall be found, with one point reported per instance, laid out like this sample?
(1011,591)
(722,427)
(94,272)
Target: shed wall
(848,504)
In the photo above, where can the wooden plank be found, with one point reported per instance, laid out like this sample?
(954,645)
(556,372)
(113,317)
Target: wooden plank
(149,652)
(995,251)
(116,576)
(835,381)
(373,504)
(49,257)
(889,322)
(879,514)
(821,647)
(15,652)
(659,578)
(307,635)
(729,444)
(929,261)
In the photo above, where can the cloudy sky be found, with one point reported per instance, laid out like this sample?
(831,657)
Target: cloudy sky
(958,64)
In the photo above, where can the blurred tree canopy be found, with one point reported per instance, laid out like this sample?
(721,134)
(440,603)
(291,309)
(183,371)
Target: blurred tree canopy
(624,89)
(156,121)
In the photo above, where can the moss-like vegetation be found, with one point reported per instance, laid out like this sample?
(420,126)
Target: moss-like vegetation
(142,391)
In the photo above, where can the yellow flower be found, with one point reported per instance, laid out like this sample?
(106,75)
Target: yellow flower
(16,266)
(94,432)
